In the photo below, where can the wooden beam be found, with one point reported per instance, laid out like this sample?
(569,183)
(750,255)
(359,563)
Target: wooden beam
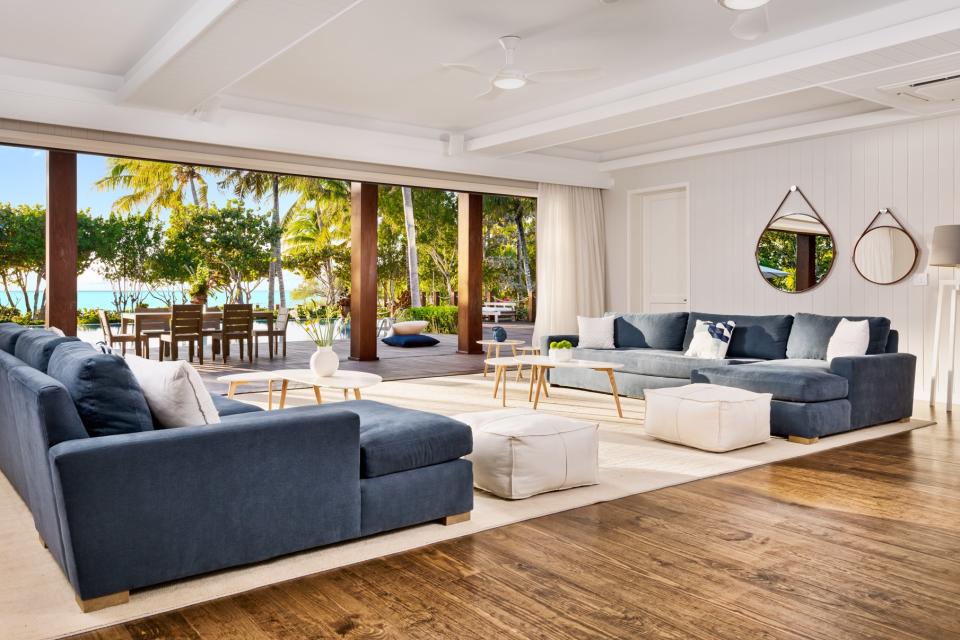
(806,261)
(363,262)
(470,273)
(61,241)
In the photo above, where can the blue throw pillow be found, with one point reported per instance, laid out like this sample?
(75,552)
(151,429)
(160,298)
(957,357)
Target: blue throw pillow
(416,340)
(108,398)
(9,332)
(811,334)
(35,347)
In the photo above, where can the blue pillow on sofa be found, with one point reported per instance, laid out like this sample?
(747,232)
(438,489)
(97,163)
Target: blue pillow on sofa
(415,340)
(650,330)
(108,398)
(36,346)
(811,334)
(9,332)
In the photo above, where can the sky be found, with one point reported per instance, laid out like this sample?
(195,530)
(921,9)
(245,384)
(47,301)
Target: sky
(23,180)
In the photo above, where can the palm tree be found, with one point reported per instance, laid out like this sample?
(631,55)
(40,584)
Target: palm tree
(159,185)
(413,264)
(258,184)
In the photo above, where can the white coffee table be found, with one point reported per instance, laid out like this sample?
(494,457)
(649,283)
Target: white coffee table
(341,379)
(538,365)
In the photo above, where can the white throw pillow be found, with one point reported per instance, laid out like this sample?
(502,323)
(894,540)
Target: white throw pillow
(711,340)
(174,392)
(850,338)
(409,328)
(595,333)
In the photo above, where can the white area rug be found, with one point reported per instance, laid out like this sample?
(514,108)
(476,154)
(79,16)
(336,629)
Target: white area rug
(36,600)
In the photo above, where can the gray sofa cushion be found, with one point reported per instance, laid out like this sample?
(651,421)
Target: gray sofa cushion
(107,396)
(650,330)
(228,407)
(761,337)
(36,346)
(9,332)
(793,384)
(394,439)
(805,363)
(653,362)
(811,334)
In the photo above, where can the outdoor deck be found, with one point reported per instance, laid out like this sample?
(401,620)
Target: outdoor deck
(395,363)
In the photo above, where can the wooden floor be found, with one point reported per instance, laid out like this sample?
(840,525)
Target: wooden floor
(859,542)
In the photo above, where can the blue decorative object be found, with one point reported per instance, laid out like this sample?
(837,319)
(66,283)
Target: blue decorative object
(499,334)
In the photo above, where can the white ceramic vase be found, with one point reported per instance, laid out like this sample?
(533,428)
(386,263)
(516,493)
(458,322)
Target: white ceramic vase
(561,355)
(324,362)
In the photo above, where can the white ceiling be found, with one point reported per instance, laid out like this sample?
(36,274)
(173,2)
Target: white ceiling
(362,79)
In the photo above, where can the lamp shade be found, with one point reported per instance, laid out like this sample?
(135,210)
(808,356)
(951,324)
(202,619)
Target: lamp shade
(945,249)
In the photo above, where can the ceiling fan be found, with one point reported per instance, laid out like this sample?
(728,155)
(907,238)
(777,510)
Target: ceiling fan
(510,77)
(751,21)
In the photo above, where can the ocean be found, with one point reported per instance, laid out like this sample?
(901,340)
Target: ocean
(104,299)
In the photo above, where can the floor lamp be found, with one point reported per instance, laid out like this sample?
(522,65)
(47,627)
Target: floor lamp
(945,252)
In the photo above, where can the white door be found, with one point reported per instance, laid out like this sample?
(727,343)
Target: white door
(658,261)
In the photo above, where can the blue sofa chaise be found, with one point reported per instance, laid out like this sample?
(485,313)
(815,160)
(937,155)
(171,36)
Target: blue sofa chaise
(778,354)
(130,510)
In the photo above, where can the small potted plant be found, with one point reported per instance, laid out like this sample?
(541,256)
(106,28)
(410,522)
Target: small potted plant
(200,285)
(561,351)
(319,321)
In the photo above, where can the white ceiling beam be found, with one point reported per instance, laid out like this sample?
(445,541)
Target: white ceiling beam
(904,22)
(220,43)
(191,25)
(811,130)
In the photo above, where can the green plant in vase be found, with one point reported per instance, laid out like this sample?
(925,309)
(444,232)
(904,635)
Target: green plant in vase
(319,321)
(561,351)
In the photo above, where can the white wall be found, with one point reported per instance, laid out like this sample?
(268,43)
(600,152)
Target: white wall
(911,168)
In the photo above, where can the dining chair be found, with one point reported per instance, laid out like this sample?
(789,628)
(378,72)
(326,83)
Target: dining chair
(112,338)
(211,326)
(236,324)
(153,327)
(186,325)
(274,333)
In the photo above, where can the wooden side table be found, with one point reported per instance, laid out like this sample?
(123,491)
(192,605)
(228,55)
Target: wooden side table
(494,347)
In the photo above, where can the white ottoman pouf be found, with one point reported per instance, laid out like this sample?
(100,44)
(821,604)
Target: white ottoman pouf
(518,453)
(708,416)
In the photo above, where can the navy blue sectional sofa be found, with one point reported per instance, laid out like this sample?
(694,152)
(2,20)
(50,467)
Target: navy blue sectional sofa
(133,509)
(779,354)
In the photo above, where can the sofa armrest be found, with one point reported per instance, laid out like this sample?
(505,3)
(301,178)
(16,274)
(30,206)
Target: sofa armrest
(546,340)
(145,508)
(880,386)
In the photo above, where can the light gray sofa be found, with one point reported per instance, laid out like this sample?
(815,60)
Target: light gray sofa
(778,354)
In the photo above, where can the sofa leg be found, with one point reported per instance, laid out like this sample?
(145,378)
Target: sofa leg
(801,440)
(904,419)
(456,519)
(110,600)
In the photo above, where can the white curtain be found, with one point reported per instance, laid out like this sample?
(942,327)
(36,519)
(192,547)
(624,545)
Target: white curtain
(570,258)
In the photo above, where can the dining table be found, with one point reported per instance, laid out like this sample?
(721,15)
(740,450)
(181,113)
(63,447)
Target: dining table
(141,318)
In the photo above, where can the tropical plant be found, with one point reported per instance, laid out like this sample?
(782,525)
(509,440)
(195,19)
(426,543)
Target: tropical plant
(124,254)
(158,185)
(319,321)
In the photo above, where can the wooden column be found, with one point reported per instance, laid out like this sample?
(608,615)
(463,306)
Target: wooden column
(806,261)
(61,241)
(363,263)
(470,273)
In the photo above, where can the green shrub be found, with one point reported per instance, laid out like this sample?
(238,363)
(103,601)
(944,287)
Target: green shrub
(90,316)
(442,319)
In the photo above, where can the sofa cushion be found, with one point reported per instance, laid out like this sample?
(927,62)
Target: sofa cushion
(811,334)
(650,330)
(808,363)
(9,332)
(793,384)
(36,346)
(654,362)
(104,390)
(760,337)
(409,341)
(229,407)
(395,439)
(174,392)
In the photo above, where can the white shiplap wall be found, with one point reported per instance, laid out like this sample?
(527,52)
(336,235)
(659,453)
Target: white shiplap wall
(911,168)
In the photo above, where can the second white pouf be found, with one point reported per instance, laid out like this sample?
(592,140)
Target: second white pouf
(708,416)
(518,453)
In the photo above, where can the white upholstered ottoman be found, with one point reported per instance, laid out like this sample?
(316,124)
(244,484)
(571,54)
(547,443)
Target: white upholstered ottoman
(708,416)
(518,453)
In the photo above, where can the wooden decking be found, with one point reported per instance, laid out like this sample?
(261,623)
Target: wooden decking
(395,363)
(856,542)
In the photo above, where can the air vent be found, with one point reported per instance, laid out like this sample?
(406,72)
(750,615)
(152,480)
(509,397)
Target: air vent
(939,89)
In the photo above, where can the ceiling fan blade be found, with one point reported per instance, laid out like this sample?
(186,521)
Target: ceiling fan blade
(468,68)
(751,24)
(563,75)
(490,94)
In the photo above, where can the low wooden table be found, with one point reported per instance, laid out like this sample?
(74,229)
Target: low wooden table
(341,379)
(500,366)
(539,363)
(494,347)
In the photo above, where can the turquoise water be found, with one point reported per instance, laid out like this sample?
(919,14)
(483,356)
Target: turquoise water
(104,299)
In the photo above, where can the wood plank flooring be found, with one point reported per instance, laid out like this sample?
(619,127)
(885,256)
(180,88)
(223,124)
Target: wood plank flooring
(858,542)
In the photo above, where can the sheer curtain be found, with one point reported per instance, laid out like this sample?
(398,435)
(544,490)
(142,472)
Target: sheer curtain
(570,258)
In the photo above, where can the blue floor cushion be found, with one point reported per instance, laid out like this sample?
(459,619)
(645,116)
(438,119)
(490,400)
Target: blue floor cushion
(415,340)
